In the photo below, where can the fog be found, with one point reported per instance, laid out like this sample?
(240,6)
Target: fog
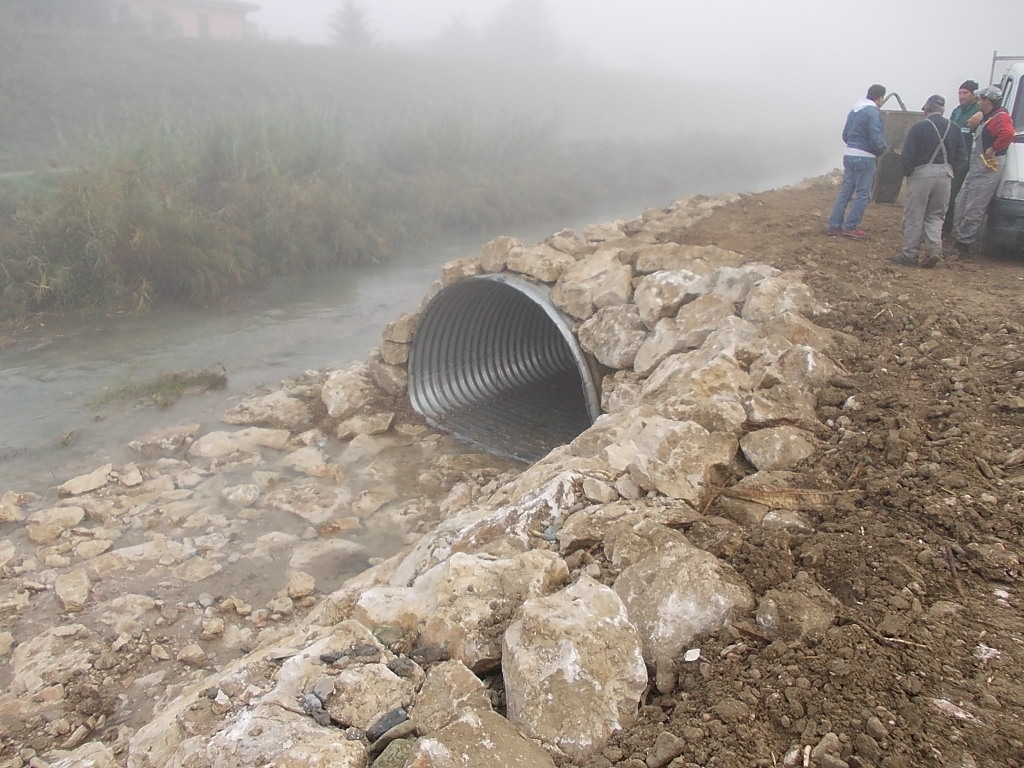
(775,66)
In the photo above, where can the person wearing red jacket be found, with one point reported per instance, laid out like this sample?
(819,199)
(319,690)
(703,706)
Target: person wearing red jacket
(994,135)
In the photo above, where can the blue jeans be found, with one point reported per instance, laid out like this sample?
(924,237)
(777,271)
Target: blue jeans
(858,176)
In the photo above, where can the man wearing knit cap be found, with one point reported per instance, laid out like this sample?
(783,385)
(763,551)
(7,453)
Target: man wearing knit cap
(932,149)
(963,116)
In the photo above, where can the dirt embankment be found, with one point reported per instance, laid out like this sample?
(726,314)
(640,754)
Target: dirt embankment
(926,663)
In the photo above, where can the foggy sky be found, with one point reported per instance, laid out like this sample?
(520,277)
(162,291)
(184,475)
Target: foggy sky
(813,57)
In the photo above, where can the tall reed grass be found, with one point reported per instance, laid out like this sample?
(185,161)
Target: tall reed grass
(192,209)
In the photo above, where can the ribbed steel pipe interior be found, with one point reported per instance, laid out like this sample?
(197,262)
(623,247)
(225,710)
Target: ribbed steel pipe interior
(496,364)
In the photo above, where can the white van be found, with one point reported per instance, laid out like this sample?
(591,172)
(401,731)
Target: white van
(1005,228)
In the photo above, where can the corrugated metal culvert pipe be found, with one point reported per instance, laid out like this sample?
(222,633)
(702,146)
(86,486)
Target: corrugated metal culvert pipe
(495,363)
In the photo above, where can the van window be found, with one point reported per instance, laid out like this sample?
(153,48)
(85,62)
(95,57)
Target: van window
(1012,101)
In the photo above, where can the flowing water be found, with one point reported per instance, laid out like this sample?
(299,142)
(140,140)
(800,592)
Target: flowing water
(53,382)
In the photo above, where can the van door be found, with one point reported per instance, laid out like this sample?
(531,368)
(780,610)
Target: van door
(1005,225)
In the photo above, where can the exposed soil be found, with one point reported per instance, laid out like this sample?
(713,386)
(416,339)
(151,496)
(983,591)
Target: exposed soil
(926,662)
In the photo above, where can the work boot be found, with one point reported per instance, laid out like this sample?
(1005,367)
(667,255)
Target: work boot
(930,260)
(963,250)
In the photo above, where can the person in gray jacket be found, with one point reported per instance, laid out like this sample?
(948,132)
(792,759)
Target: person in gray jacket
(865,143)
(932,152)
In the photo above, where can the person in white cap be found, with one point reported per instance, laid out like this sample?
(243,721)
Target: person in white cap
(932,150)
(993,137)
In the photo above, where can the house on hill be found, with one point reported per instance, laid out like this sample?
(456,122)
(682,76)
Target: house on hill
(218,19)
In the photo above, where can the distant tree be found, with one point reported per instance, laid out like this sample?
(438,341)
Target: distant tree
(457,38)
(350,27)
(522,31)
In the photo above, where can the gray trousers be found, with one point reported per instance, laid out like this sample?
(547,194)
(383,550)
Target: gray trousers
(924,208)
(975,195)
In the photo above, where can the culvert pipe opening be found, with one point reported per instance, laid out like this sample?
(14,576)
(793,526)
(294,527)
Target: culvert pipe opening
(494,362)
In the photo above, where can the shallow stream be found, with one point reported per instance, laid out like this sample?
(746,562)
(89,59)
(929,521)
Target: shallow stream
(54,380)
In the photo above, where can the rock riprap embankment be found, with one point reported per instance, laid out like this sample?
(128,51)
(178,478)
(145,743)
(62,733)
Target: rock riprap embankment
(192,608)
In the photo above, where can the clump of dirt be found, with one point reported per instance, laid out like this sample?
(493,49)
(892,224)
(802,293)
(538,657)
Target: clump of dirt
(925,662)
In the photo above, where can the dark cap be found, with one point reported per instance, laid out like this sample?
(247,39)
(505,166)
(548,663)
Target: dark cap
(935,102)
(969,85)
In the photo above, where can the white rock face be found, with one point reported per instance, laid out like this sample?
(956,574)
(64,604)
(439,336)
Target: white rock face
(613,335)
(478,739)
(85,483)
(778,447)
(278,410)
(674,597)
(449,688)
(268,735)
(72,590)
(348,392)
(216,444)
(600,281)
(457,605)
(573,667)
(365,692)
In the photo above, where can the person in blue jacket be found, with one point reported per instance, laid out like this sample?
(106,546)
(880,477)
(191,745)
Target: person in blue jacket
(864,145)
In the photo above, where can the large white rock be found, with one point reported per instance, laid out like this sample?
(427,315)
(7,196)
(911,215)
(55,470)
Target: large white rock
(777,447)
(48,656)
(86,483)
(689,329)
(613,335)
(10,507)
(494,254)
(736,283)
(269,735)
(349,391)
(166,440)
(401,329)
(278,410)
(541,262)
(501,532)
(778,294)
(449,688)
(674,597)
(662,293)
(599,281)
(252,439)
(363,693)
(478,739)
(72,590)
(463,604)
(573,668)
(680,459)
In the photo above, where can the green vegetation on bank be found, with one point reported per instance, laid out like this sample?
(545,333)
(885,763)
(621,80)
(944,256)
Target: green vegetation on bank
(187,170)
(193,211)
(167,388)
